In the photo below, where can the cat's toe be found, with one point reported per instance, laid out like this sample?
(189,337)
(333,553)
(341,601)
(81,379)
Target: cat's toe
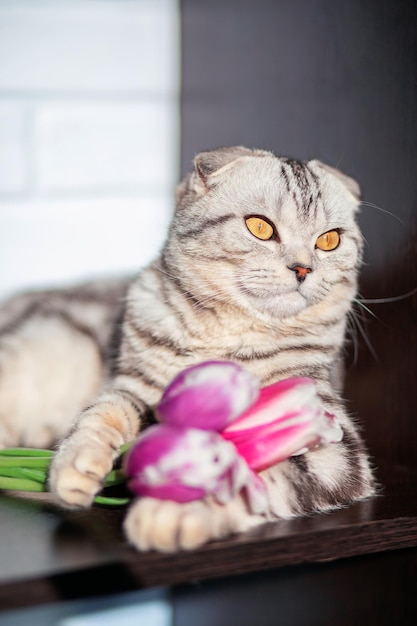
(72,489)
(167,526)
(77,475)
(195,529)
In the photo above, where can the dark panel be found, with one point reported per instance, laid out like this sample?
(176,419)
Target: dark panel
(320,595)
(337,81)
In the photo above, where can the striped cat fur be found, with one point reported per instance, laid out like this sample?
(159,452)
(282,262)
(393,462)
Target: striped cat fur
(104,352)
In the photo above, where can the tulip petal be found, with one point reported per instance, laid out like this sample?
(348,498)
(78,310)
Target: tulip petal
(208,396)
(275,400)
(287,419)
(184,464)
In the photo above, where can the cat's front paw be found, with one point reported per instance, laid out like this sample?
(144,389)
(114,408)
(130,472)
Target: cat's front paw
(78,471)
(168,526)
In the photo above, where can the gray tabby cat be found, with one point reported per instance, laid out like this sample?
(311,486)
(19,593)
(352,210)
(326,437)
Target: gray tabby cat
(260,267)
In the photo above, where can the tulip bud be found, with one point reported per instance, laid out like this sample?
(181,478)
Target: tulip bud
(185,464)
(208,396)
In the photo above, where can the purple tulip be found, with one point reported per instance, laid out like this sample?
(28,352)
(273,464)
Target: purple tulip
(183,464)
(208,396)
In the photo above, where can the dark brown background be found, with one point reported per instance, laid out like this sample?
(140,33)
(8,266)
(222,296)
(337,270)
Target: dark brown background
(335,81)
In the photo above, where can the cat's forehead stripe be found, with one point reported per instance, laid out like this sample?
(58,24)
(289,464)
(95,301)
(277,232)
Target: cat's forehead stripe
(196,231)
(302,185)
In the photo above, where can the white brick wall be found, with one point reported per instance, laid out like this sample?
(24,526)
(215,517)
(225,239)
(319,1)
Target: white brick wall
(58,241)
(88,46)
(104,145)
(88,136)
(14,170)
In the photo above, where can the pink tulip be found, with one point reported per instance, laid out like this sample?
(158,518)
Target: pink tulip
(184,464)
(185,459)
(208,396)
(287,419)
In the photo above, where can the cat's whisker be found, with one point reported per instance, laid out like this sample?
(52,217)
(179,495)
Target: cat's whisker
(363,306)
(365,243)
(375,206)
(355,317)
(352,331)
(389,299)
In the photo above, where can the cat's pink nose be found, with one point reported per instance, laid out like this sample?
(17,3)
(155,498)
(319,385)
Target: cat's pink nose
(301,271)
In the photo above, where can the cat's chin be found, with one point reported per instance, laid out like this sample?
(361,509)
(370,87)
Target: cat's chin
(280,306)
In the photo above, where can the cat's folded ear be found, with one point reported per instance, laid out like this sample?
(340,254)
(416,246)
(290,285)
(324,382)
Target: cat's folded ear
(207,165)
(351,185)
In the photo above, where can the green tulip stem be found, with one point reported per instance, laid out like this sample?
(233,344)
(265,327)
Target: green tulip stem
(40,462)
(26,469)
(25,452)
(21,484)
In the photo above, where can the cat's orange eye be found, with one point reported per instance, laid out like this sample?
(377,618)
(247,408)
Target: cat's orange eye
(328,241)
(259,227)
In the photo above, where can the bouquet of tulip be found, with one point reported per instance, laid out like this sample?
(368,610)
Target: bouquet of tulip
(217,430)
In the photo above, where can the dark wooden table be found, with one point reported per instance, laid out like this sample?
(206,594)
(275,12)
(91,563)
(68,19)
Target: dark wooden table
(48,555)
